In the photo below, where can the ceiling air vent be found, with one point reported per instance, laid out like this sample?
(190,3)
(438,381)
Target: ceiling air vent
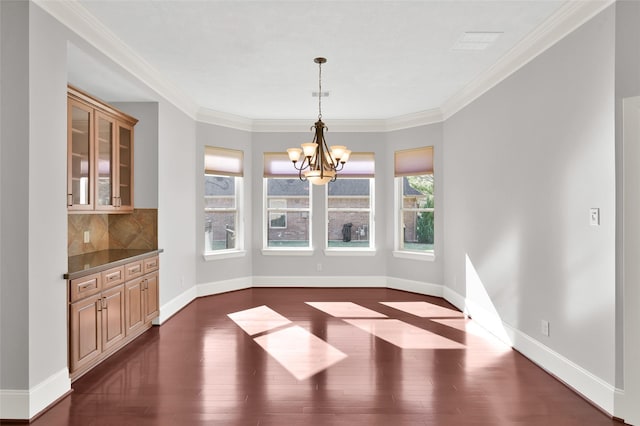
(476,40)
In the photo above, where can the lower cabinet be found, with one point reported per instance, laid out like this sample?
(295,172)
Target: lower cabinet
(109,309)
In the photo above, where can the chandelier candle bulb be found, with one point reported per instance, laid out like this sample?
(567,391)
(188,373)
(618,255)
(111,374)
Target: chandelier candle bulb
(294,154)
(337,151)
(309,149)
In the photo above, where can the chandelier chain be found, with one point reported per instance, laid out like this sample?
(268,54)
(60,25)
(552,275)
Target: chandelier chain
(320,91)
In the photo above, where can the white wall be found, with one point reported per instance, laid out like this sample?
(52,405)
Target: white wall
(145,158)
(177,172)
(409,269)
(47,211)
(14,188)
(627,326)
(523,165)
(211,271)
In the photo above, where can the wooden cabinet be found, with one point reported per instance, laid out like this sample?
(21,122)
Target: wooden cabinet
(99,156)
(108,309)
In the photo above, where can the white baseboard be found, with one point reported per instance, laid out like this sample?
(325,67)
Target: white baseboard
(14,404)
(218,287)
(174,305)
(419,287)
(596,390)
(320,281)
(25,404)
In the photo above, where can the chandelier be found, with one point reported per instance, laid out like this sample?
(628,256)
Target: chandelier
(320,164)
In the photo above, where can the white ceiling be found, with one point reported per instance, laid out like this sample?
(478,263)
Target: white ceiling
(254,59)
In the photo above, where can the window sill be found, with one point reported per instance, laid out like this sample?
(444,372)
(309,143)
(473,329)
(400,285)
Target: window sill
(287,252)
(349,252)
(425,257)
(226,254)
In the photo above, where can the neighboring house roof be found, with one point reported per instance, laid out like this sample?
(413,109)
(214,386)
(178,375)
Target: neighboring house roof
(287,187)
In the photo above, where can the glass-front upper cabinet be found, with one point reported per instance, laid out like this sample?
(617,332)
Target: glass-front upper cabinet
(100,155)
(125,166)
(105,145)
(79,156)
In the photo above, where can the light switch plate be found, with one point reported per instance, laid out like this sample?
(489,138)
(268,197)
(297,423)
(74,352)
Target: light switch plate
(594,217)
(87,237)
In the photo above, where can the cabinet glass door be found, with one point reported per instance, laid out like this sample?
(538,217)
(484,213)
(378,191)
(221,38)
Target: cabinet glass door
(104,160)
(79,194)
(125,157)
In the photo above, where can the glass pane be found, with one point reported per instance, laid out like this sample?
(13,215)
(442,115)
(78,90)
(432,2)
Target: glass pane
(417,191)
(80,122)
(105,161)
(219,192)
(348,229)
(295,191)
(125,166)
(349,193)
(417,230)
(295,233)
(220,231)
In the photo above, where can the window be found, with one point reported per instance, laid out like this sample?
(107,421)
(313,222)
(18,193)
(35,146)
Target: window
(415,231)
(222,187)
(287,204)
(350,205)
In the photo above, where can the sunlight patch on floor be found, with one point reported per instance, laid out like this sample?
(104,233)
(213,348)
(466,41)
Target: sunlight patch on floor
(258,320)
(424,309)
(300,352)
(403,335)
(345,310)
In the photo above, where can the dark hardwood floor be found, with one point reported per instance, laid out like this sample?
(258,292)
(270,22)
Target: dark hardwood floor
(435,368)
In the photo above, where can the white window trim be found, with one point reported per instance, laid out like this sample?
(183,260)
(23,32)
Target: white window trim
(352,251)
(399,251)
(276,210)
(427,256)
(288,251)
(224,254)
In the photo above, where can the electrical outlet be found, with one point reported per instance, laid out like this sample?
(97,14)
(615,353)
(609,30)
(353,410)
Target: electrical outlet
(87,237)
(319,267)
(544,327)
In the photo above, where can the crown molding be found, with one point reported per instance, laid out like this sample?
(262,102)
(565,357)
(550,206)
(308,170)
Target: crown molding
(232,121)
(568,18)
(407,121)
(74,16)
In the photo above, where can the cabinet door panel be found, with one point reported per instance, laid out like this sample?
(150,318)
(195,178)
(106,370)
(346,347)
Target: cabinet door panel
(133,305)
(105,162)
(152,303)
(125,167)
(112,316)
(80,160)
(85,333)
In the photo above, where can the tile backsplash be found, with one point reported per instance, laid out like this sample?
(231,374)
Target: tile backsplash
(137,230)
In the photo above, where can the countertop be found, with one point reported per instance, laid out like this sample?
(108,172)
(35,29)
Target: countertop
(90,263)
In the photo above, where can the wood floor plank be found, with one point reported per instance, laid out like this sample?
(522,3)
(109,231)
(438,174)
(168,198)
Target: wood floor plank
(201,368)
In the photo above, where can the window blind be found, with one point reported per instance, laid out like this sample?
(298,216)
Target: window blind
(360,164)
(412,162)
(223,161)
